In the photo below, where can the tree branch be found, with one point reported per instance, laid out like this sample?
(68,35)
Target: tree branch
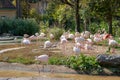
(67,2)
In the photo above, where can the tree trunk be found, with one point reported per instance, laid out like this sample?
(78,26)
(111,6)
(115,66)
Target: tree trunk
(18,8)
(77,28)
(110,24)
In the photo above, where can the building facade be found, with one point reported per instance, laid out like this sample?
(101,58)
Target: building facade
(7,9)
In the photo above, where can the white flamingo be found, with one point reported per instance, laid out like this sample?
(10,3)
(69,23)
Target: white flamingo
(51,37)
(63,42)
(76,50)
(42,35)
(97,40)
(47,44)
(88,47)
(26,41)
(71,36)
(112,43)
(37,38)
(86,34)
(77,34)
(42,58)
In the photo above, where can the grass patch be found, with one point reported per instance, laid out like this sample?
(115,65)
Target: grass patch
(26,55)
(21,60)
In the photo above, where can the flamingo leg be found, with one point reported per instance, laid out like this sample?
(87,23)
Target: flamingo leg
(38,68)
(113,50)
(43,68)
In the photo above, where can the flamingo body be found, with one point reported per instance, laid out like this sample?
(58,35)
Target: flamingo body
(42,58)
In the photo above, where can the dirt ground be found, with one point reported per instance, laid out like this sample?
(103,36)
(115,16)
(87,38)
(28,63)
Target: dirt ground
(58,49)
(16,68)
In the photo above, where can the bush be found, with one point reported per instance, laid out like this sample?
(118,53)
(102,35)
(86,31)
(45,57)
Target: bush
(57,61)
(80,63)
(83,63)
(116,26)
(19,26)
(94,27)
(57,32)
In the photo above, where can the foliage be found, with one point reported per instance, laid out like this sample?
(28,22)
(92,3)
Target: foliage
(105,9)
(65,19)
(94,27)
(25,7)
(21,60)
(57,61)
(44,27)
(116,28)
(57,32)
(35,15)
(83,63)
(103,25)
(80,63)
(19,26)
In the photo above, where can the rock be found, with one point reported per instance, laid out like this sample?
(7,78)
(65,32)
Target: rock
(109,60)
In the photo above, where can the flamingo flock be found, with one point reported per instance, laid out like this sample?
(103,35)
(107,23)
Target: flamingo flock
(81,41)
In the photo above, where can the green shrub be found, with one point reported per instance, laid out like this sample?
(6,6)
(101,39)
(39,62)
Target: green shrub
(21,60)
(83,63)
(94,28)
(19,26)
(44,27)
(116,26)
(57,61)
(57,32)
(80,63)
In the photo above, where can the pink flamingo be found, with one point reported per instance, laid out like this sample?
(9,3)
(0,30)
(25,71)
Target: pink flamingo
(63,42)
(112,44)
(42,58)
(76,50)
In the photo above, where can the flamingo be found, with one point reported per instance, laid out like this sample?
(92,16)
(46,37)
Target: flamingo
(97,40)
(77,34)
(71,36)
(37,37)
(86,34)
(80,45)
(42,58)
(112,43)
(26,41)
(88,47)
(80,40)
(89,41)
(47,44)
(51,37)
(42,35)
(76,50)
(63,42)
(91,36)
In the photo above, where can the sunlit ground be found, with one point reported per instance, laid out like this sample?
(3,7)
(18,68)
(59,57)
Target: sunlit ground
(56,75)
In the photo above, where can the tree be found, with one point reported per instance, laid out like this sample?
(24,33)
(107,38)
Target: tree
(105,9)
(19,12)
(85,14)
(75,4)
(25,7)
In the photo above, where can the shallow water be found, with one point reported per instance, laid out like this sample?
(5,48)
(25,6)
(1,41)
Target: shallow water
(56,75)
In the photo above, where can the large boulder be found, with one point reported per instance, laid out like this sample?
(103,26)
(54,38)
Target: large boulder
(109,60)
